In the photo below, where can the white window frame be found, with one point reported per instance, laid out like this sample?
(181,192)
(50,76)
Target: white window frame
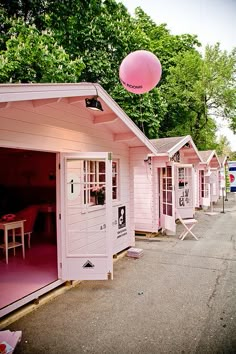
(117,175)
(95,179)
(204,186)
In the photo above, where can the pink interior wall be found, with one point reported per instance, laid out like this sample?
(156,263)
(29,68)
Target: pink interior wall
(28,177)
(24,168)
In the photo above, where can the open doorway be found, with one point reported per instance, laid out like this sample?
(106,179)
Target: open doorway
(28,179)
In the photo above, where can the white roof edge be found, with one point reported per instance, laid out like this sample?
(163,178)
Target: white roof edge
(24,92)
(217,157)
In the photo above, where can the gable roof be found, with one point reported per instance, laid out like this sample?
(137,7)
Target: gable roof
(209,157)
(165,145)
(206,155)
(169,146)
(113,117)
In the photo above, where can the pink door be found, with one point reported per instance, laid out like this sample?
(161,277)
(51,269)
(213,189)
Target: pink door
(167,206)
(86,220)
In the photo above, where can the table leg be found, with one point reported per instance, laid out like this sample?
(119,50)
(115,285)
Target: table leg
(14,240)
(6,244)
(23,241)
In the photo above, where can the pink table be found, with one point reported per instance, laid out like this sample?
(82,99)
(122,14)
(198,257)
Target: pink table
(12,225)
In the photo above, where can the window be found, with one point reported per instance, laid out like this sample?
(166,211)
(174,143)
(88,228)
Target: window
(204,187)
(114,180)
(184,188)
(95,182)
(167,191)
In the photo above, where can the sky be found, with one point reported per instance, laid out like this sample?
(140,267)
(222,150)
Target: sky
(211,20)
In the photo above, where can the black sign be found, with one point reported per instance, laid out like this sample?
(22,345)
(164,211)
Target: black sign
(121,217)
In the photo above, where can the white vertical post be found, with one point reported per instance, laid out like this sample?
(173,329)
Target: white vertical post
(109,212)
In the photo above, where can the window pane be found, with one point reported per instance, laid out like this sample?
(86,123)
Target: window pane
(164,209)
(102,178)
(114,193)
(114,181)
(169,171)
(164,196)
(169,210)
(164,183)
(169,184)
(169,197)
(101,167)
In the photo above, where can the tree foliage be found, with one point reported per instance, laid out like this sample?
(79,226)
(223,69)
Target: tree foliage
(86,40)
(34,56)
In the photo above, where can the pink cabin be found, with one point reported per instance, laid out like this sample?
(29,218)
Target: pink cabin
(164,184)
(65,151)
(209,178)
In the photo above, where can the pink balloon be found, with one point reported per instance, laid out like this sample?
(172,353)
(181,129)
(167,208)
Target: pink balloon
(140,71)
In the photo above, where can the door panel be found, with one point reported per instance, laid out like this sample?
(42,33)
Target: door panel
(85,225)
(167,199)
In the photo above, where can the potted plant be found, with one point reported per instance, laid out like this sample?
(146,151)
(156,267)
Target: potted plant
(99,194)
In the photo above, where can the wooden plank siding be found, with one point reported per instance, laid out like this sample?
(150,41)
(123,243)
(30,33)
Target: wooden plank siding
(145,192)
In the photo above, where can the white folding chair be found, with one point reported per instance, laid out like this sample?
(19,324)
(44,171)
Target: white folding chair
(188,225)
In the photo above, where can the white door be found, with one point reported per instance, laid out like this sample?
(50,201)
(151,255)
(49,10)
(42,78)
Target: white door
(86,224)
(204,189)
(168,199)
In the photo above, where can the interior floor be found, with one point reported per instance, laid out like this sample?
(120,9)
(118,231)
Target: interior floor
(21,277)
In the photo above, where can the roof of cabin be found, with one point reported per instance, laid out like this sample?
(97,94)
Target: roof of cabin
(73,97)
(166,144)
(205,155)
(210,157)
(170,146)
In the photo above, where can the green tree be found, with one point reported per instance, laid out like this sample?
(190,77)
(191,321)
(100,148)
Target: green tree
(219,78)
(34,56)
(184,93)
(232,156)
(223,146)
(55,35)
(196,90)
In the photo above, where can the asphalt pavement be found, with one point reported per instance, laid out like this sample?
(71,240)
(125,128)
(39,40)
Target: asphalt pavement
(180,297)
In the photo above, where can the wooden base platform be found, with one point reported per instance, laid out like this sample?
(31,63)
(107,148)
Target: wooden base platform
(142,234)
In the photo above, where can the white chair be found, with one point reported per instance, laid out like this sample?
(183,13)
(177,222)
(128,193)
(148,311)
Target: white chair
(29,214)
(188,224)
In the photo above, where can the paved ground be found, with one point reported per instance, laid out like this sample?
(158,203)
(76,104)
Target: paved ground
(179,298)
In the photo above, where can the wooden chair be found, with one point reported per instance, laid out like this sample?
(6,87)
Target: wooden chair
(29,214)
(188,225)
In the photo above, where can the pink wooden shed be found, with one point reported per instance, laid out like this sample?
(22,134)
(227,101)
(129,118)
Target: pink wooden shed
(59,154)
(209,178)
(164,184)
